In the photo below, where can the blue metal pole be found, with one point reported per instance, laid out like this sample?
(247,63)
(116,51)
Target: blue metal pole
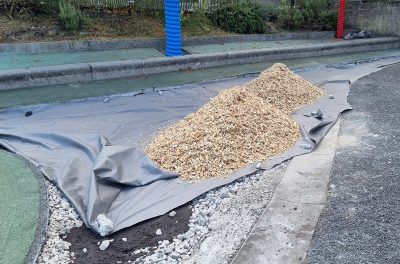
(173,27)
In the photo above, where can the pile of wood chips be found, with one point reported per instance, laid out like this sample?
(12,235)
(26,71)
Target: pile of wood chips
(283,89)
(239,126)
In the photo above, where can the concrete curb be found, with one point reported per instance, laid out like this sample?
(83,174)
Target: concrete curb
(157,43)
(49,75)
(284,231)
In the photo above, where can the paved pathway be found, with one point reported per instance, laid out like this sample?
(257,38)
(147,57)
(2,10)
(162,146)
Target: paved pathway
(361,221)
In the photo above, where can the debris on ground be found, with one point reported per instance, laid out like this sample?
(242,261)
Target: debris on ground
(359,35)
(239,126)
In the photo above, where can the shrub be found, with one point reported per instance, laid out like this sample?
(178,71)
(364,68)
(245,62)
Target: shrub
(312,9)
(270,12)
(315,14)
(289,16)
(329,20)
(72,18)
(243,18)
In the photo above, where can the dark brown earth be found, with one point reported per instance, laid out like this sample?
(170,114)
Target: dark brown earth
(139,236)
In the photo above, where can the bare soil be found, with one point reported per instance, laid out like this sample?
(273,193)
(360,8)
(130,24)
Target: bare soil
(47,27)
(138,236)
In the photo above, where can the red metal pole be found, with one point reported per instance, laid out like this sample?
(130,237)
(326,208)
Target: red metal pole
(340,21)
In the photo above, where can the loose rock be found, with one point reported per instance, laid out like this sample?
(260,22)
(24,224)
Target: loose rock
(104,245)
(172,213)
(105,225)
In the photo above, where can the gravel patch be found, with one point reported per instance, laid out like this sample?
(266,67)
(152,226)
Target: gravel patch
(220,222)
(62,217)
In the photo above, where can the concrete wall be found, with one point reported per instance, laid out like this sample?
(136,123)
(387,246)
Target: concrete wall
(379,17)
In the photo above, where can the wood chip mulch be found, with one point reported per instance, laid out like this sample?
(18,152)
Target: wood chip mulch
(239,126)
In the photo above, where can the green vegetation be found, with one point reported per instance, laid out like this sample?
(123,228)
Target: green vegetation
(72,18)
(198,24)
(243,18)
(45,20)
(308,14)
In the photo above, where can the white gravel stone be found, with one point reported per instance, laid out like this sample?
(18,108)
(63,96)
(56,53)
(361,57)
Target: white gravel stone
(62,217)
(175,255)
(104,245)
(221,222)
(158,232)
(84,250)
(105,225)
(172,213)
(124,239)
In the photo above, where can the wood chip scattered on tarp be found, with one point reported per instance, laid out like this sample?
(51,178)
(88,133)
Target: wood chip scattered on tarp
(239,126)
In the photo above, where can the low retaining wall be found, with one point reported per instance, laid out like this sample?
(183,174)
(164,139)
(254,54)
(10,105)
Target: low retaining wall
(49,75)
(379,17)
(159,43)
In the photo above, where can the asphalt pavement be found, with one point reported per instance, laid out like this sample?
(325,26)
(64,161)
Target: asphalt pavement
(360,222)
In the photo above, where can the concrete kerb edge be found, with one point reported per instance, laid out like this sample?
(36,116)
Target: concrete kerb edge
(275,197)
(157,43)
(12,79)
(43,219)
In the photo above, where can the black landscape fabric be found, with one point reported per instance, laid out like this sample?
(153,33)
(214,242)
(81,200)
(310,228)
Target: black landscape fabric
(91,149)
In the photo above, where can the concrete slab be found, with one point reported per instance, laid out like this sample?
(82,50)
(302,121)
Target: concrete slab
(284,231)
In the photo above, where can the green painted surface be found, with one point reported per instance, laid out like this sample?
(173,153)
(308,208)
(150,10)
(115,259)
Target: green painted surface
(19,207)
(257,45)
(17,61)
(57,93)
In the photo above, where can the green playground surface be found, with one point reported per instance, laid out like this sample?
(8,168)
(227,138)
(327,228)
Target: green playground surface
(18,61)
(66,92)
(225,47)
(19,206)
